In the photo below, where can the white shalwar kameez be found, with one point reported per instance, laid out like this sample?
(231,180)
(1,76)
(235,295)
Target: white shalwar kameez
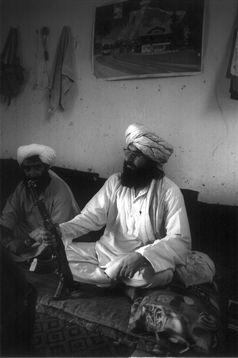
(154,223)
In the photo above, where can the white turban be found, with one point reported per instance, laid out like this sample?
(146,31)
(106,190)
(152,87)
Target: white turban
(150,144)
(46,154)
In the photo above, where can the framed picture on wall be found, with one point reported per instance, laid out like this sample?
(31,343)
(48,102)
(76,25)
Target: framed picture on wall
(148,38)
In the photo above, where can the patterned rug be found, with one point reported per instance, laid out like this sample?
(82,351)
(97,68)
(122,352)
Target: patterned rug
(57,338)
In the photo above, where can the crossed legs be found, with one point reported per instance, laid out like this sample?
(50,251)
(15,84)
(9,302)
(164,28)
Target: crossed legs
(83,262)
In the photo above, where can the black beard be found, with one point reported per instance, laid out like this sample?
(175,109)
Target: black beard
(139,177)
(41,182)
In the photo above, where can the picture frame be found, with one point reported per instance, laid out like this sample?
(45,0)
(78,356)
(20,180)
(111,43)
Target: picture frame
(148,38)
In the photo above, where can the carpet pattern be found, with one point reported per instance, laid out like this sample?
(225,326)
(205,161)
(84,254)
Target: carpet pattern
(53,337)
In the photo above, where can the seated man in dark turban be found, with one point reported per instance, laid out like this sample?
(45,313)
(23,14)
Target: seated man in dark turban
(21,225)
(146,227)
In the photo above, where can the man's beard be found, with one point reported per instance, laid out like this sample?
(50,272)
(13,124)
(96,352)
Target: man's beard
(40,182)
(139,177)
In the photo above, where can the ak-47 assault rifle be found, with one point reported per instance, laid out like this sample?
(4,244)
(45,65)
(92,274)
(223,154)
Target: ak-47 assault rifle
(66,283)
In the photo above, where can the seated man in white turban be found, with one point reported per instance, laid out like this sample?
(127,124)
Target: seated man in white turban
(146,227)
(22,227)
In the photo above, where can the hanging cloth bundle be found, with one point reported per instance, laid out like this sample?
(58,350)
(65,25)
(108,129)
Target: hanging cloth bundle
(63,78)
(11,72)
(232,71)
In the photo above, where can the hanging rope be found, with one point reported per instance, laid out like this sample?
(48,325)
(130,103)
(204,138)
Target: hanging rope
(11,72)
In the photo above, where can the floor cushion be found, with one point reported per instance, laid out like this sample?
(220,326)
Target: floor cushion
(177,320)
(173,320)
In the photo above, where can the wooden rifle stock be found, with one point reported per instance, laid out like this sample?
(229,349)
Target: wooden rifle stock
(66,282)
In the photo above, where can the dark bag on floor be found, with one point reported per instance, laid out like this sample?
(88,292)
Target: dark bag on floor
(11,72)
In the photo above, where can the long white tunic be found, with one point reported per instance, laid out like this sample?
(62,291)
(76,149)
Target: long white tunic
(22,216)
(153,223)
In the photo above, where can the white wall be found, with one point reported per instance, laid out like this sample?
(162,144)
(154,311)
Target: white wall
(195,113)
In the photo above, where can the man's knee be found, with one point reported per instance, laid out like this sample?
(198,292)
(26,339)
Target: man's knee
(162,278)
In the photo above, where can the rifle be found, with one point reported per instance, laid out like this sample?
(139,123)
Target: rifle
(66,282)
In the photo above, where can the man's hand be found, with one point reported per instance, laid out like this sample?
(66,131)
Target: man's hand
(42,236)
(7,239)
(6,235)
(132,263)
(16,247)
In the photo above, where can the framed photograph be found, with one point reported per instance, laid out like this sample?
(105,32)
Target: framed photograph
(148,38)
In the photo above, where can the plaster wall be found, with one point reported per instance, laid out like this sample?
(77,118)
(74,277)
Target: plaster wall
(194,113)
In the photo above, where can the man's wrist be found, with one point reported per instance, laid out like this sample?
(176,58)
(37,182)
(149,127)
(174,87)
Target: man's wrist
(6,235)
(144,260)
(5,230)
(59,232)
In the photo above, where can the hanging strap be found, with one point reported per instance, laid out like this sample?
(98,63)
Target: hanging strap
(8,55)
